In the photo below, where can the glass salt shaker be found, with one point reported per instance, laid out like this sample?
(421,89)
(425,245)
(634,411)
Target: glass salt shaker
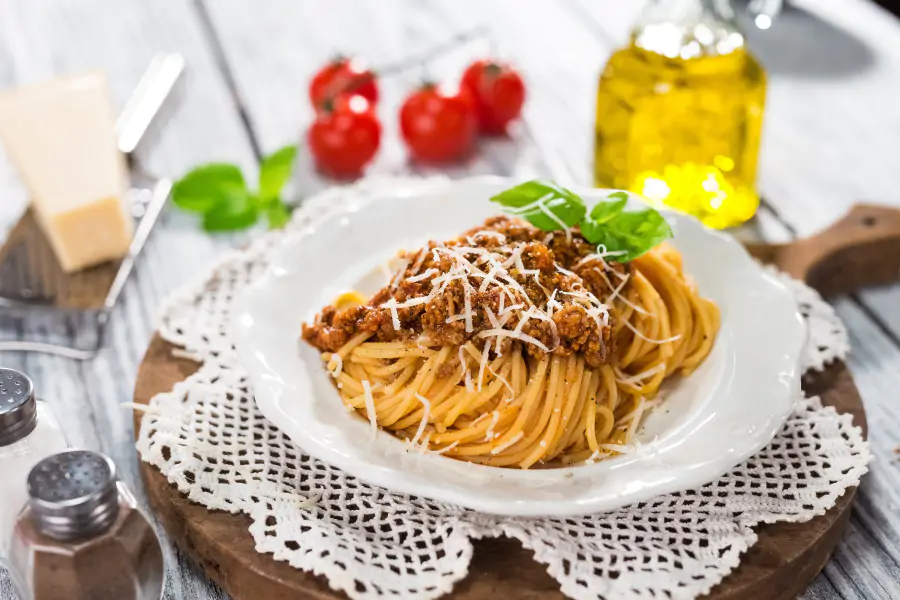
(28,432)
(81,536)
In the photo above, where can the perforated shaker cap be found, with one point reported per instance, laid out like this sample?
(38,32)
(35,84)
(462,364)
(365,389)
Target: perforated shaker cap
(18,410)
(73,495)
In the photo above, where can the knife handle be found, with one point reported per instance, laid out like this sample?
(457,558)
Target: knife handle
(861,249)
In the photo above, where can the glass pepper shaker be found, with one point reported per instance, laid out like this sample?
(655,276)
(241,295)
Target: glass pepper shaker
(28,432)
(81,536)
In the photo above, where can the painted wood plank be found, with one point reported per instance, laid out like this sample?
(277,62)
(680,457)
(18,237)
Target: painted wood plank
(271,71)
(820,589)
(865,564)
(41,39)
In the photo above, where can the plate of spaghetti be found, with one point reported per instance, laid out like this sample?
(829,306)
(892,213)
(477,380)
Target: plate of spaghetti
(521,349)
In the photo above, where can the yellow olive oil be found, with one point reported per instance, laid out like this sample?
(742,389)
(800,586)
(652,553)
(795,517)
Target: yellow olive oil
(679,118)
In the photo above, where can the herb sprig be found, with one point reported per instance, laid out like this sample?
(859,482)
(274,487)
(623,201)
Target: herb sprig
(220,194)
(624,234)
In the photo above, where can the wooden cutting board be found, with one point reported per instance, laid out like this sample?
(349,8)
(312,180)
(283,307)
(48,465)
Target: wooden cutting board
(863,248)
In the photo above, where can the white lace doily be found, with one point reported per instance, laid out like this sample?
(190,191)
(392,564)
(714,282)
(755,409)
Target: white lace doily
(208,438)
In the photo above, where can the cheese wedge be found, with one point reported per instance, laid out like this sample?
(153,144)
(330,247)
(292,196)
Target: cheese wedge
(61,137)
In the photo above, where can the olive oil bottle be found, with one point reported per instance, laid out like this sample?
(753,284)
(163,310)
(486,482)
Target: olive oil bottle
(680,113)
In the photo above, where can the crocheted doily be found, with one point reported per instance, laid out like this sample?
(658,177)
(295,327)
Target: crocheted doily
(209,439)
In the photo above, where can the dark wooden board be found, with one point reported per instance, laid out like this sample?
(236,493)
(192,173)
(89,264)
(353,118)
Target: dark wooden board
(779,566)
(30,273)
(863,248)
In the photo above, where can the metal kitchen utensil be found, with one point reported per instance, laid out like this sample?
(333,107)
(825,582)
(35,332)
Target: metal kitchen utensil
(32,284)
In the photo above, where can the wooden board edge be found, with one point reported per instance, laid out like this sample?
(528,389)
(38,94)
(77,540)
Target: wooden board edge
(247,576)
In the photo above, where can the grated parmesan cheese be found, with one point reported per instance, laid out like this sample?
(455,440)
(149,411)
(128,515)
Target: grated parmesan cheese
(470,387)
(522,337)
(419,260)
(645,338)
(489,434)
(481,270)
(509,309)
(628,380)
(467,305)
(407,303)
(635,421)
(488,233)
(426,405)
(395,318)
(565,271)
(423,275)
(483,364)
(445,448)
(502,379)
(370,409)
(617,290)
(507,444)
(617,448)
(338,367)
(398,275)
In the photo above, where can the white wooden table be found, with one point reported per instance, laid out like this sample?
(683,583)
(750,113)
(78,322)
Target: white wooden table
(832,137)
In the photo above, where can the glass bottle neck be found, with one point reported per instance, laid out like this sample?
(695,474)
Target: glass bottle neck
(688,10)
(688,28)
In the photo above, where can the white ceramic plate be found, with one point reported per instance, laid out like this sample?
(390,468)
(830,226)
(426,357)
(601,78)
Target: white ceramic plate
(727,410)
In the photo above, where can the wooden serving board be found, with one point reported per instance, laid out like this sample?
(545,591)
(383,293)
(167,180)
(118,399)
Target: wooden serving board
(863,247)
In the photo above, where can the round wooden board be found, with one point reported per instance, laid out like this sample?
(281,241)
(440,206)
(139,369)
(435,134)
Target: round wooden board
(778,567)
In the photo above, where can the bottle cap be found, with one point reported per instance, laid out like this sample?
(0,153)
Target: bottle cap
(73,495)
(18,409)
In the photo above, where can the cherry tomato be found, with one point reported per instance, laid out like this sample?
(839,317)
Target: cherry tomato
(498,91)
(438,126)
(343,76)
(345,136)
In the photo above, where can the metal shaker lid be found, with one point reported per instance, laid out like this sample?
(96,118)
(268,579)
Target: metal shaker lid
(73,495)
(18,410)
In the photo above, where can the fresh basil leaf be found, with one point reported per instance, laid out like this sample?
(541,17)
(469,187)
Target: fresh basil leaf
(203,187)
(233,211)
(635,233)
(606,211)
(543,204)
(550,207)
(609,241)
(275,171)
(532,191)
(592,231)
(562,211)
(278,215)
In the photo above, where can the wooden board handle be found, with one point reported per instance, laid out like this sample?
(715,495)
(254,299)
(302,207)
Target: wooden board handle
(861,249)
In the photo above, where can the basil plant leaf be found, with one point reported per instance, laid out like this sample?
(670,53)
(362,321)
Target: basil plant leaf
(278,215)
(274,172)
(236,210)
(204,187)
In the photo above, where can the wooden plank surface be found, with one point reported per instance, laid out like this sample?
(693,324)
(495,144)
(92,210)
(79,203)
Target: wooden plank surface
(831,138)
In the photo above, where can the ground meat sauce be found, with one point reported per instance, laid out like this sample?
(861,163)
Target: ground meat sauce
(561,312)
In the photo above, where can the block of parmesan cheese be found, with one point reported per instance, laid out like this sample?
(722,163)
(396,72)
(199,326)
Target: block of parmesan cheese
(60,135)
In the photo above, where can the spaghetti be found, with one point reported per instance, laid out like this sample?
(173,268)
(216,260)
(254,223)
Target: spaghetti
(513,347)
